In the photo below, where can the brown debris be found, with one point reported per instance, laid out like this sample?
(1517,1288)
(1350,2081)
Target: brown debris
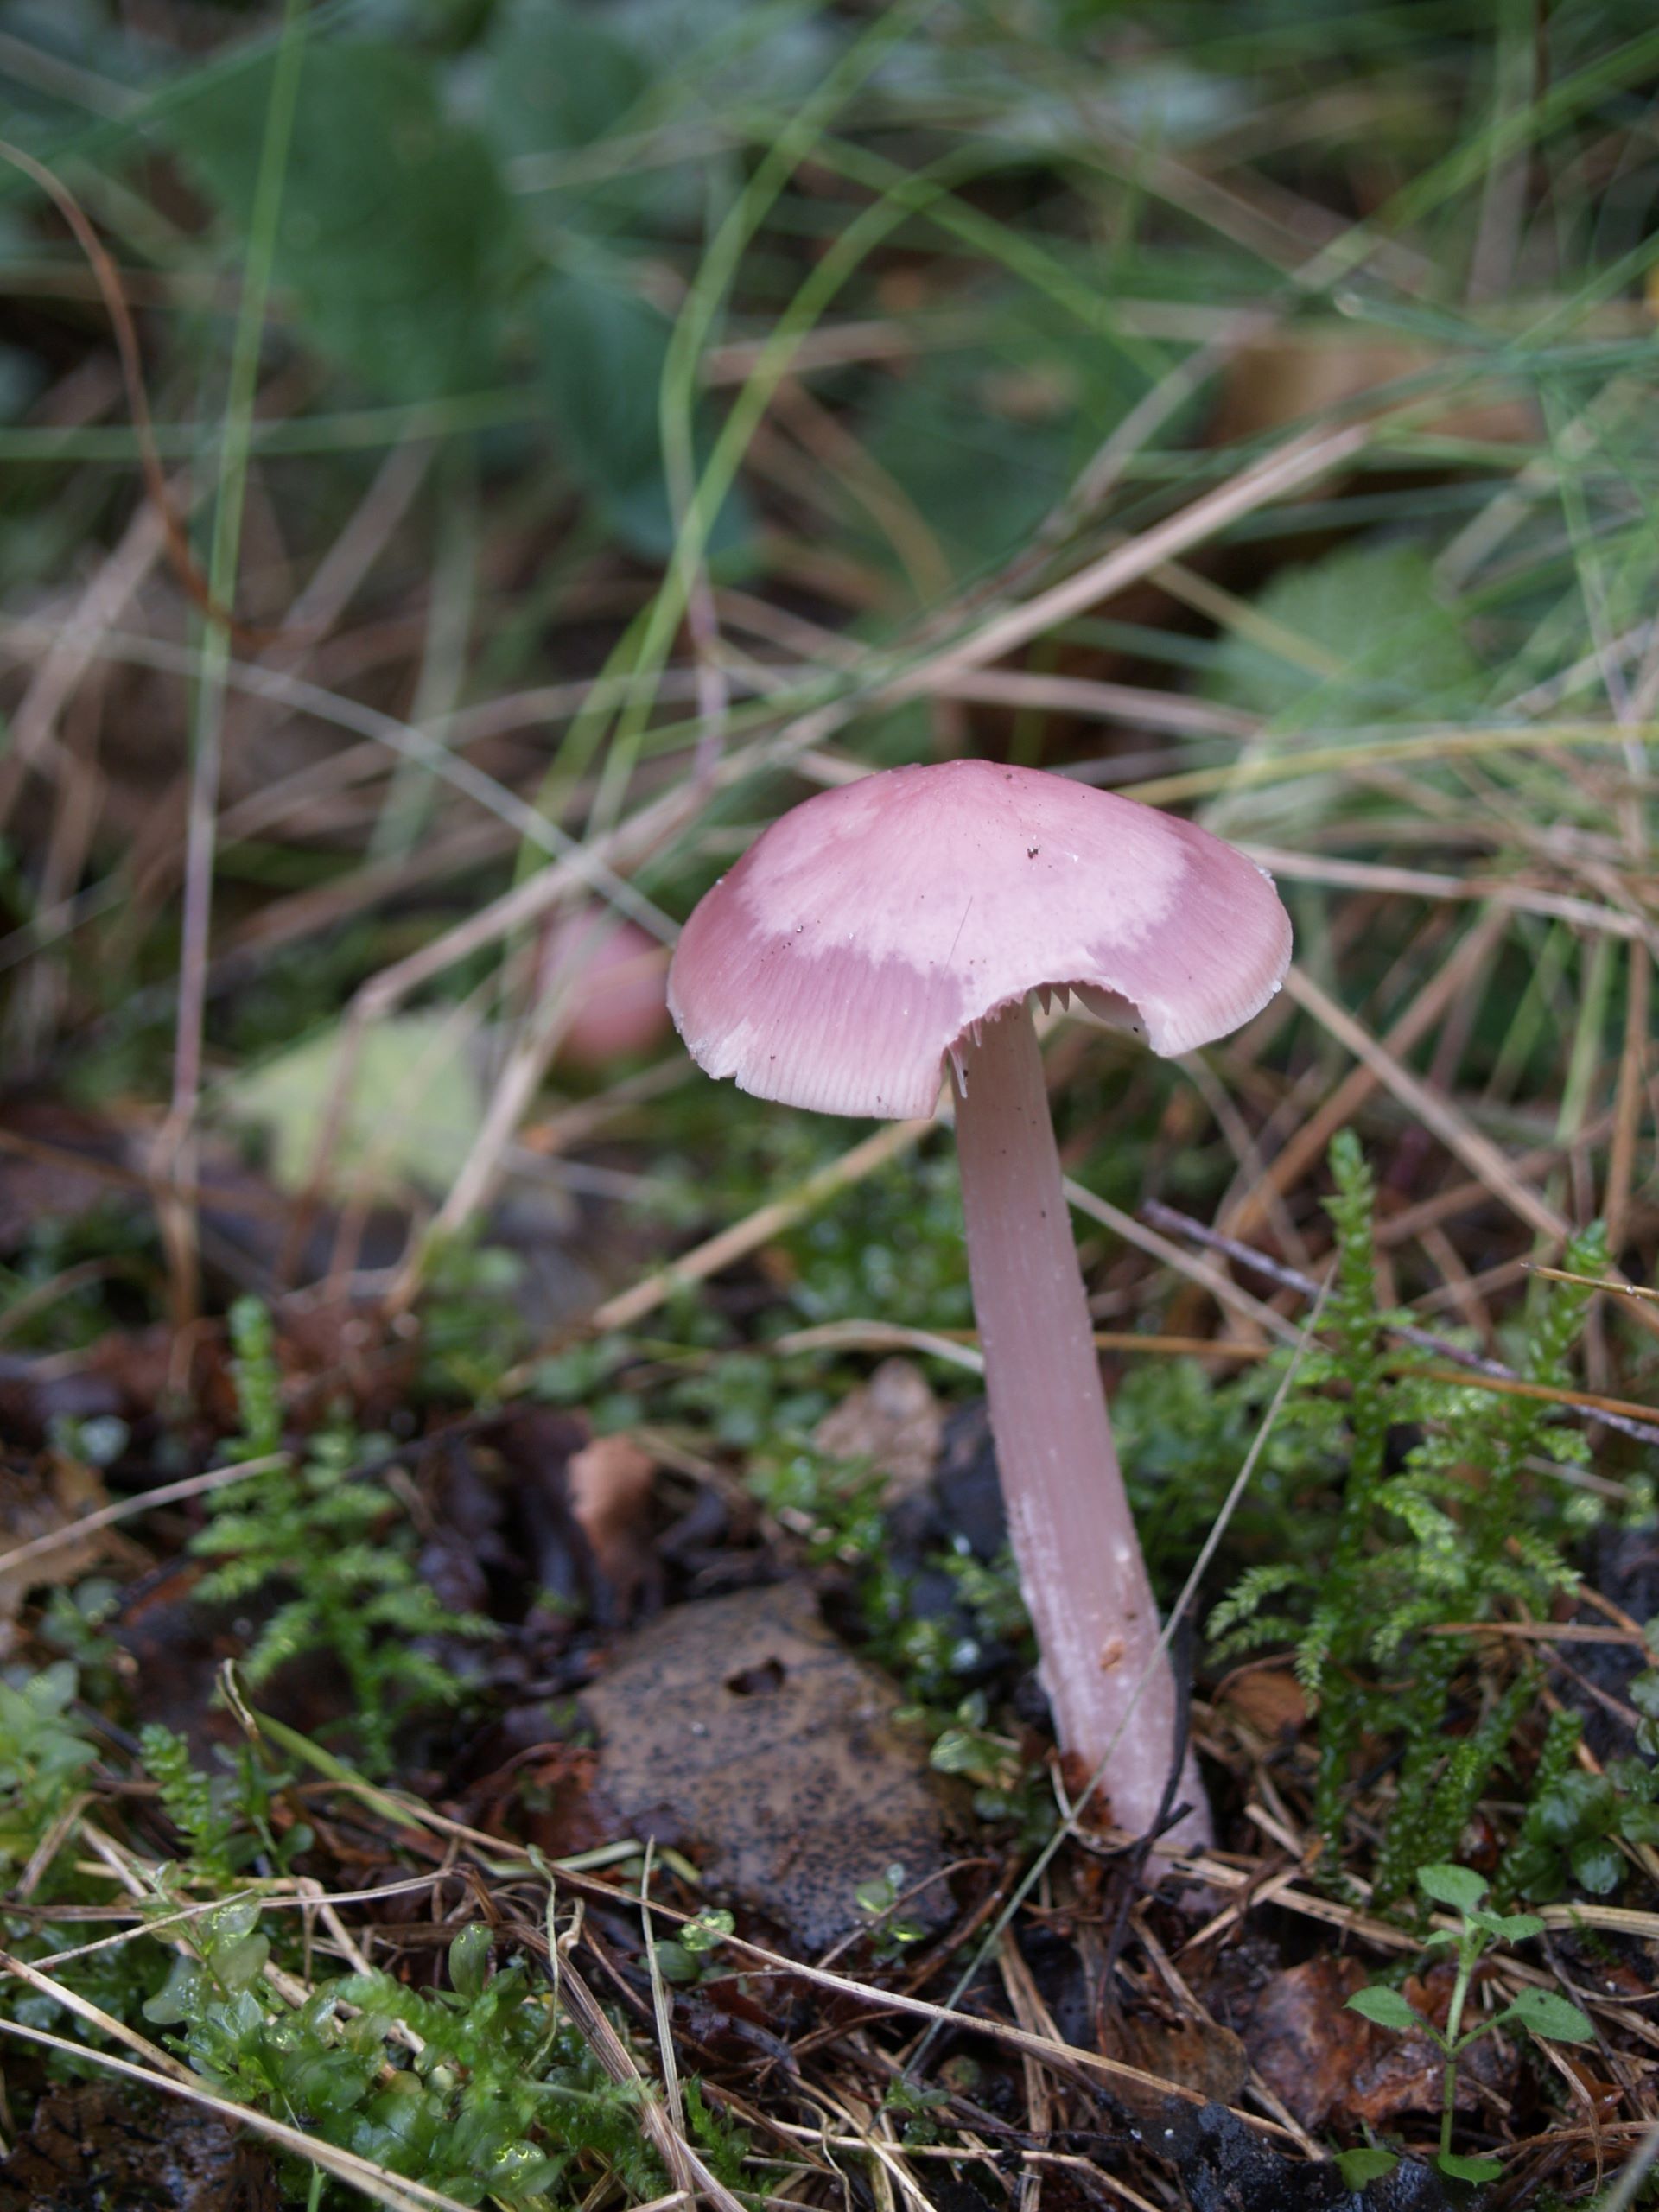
(95,2145)
(1266,1699)
(1302,2042)
(893,1420)
(609,1483)
(1327,2065)
(38,1504)
(1190,2053)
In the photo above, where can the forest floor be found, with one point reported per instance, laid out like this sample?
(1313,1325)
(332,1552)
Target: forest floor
(514,1689)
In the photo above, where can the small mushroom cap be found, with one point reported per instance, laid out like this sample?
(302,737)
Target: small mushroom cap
(616,978)
(867,932)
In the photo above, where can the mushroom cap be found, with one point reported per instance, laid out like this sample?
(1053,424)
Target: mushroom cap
(865,932)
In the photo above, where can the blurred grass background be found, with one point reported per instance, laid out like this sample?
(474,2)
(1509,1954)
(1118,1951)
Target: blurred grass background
(608,422)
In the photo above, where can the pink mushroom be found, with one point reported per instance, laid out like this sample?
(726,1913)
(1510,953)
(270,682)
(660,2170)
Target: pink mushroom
(892,923)
(615,974)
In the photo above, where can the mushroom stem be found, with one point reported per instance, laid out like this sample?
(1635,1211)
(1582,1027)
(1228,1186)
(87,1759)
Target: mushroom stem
(1080,1566)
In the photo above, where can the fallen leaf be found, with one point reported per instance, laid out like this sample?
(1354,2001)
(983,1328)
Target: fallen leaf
(1268,1700)
(414,1104)
(544,1796)
(52,1495)
(609,1483)
(893,1420)
(1191,2054)
(1304,2043)
(1293,377)
(741,1728)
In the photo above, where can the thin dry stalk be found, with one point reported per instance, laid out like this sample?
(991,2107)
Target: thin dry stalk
(871,1153)
(128,1509)
(1423,883)
(1291,468)
(1309,1143)
(1033,2015)
(1249,1310)
(687,2168)
(1478,1152)
(375,2182)
(74,644)
(1629,1100)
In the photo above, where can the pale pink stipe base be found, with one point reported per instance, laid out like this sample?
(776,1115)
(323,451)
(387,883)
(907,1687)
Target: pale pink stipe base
(1080,1567)
(843,956)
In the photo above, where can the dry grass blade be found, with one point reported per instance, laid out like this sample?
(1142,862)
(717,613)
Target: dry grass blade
(1478,1152)
(684,2163)
(132,369)
(1591,1401)
(1422,883)
(1456,1132)
(1070,2058)
(865,1158)
(1306,1145)
(1612,1286)
(157,2061)
(1222,1289)
(129,1508)
(1474,1371)
(959,1347)
(1278,475)
(576,600)
(1033,2015)
(72,651)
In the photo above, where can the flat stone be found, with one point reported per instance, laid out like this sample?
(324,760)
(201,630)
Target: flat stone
(742,1730)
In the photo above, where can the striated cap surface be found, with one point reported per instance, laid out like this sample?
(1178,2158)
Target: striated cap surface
(868,930)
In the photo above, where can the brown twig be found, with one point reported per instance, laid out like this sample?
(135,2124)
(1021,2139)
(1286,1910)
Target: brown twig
(1631,1420)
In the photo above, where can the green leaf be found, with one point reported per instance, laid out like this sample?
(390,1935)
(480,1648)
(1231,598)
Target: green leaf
(470,1960)
(1597,1866)
(558,80)
(1357,2167)
(1508,1927)
(179,1997)
(603,351)
(414,1105)
(1458,1886)
(237,1964)
(1578,1808)
(1364,639)
(677,1964)
(1469,2169)
(984,440)
(395,233)
(1387,2007)
(1547,2012)
(705,1931)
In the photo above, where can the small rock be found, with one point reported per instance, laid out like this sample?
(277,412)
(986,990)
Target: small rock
(741,1728)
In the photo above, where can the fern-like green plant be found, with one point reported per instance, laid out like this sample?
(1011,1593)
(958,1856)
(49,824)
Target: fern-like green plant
(204,1816)
(1445,1536)
(329,1534)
